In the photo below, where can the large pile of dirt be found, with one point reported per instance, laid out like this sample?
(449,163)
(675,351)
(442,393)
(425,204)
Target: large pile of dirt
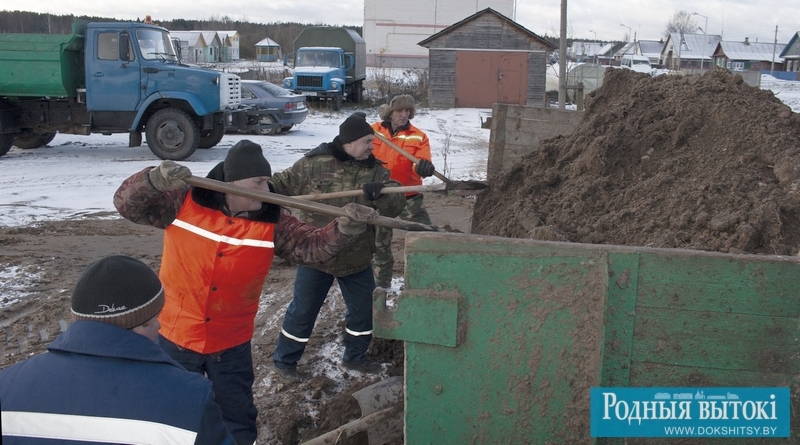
(700,162)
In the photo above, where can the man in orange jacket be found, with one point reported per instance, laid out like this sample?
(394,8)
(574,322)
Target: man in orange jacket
(396,126)
(218,248)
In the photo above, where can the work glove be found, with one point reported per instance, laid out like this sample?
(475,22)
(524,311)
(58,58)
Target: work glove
(355,223)
(169,175)
(424,168)
(372,190)
(360,114)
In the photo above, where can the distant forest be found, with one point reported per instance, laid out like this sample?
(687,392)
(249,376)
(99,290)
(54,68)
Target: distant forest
(249,33)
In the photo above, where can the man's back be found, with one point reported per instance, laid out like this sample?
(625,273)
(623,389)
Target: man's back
(101,383)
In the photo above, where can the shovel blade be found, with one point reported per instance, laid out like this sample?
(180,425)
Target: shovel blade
(376,397)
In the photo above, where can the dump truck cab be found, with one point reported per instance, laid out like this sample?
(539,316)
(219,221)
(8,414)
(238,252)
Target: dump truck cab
(112,77)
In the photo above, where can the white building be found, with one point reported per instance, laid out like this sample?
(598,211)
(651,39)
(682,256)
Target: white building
(392,29)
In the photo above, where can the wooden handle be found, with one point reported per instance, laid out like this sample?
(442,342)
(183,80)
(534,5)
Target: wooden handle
(349,193)
(408,155)
(288,201)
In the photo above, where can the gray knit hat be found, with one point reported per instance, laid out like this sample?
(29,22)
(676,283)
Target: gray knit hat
(399,102)
(245,160)
(118,290)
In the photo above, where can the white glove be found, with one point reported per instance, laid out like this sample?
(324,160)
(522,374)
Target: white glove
(169,175)
(358,215)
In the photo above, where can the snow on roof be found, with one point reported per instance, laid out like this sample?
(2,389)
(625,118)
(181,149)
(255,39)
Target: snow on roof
(691,46)
(768,52)
(194,38)
(267,42)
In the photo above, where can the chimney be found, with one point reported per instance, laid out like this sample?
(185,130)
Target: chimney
(747,40)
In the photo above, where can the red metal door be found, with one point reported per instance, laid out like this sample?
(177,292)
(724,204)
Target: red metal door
(484,78)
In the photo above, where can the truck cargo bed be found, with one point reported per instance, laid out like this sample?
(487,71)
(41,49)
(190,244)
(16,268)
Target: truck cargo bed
(41,65)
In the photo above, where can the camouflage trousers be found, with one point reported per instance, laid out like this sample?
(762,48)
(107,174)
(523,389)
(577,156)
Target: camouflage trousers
(383,261)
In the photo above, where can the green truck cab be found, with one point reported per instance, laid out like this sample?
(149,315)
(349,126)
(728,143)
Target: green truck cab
(112,77)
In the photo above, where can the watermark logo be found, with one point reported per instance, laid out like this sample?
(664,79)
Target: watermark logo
(690,412)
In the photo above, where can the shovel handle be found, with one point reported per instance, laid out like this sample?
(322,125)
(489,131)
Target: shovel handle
(408,155)
(349,193)
(289,201)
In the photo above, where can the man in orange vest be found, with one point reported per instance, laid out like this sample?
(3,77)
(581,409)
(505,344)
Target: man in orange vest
(218,249)
(396,126)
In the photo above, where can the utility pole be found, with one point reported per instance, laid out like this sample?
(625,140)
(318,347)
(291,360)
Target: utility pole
(562,59)
(594,45)
(774,48)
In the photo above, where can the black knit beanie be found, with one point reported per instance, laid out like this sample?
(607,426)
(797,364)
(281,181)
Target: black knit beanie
(354,127)
(117,290)
(245,160)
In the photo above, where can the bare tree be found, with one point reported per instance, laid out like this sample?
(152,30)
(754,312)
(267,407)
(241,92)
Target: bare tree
(682,22)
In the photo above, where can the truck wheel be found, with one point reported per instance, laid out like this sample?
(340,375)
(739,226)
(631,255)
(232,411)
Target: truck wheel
(6,140)
(210,138)
(172,134)
(48,137)
(356,93)
(337,102)
(27,140)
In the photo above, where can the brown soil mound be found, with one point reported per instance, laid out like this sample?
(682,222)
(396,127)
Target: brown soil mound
(699,162)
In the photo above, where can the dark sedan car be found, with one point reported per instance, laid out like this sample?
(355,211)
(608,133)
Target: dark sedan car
(290,109)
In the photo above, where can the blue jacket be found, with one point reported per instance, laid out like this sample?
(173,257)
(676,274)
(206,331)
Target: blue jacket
(102,384)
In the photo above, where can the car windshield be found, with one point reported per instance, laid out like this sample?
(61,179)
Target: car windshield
(155,45)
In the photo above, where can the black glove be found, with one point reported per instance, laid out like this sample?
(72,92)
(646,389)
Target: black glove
(424,168)
(372,190)
(360,114)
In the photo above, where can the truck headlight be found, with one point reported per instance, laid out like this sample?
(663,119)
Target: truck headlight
(335,85)
(287,83)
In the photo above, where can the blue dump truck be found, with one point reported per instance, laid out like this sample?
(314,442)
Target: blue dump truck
(112,77)
(329,64)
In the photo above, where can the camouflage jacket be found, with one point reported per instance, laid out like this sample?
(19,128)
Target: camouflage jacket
(328,168)
(138,201)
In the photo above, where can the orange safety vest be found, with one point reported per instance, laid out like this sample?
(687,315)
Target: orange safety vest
(413,141)
(213,269)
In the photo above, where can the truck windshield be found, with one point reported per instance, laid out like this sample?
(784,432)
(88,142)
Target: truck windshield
(155,45)
(317,58)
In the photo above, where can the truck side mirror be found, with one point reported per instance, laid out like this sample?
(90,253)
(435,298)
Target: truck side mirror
(125,47)
(351,61)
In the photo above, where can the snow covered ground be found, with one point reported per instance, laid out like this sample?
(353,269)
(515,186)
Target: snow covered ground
(76,176)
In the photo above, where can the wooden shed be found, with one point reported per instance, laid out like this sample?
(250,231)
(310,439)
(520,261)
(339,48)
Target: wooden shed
(484,59)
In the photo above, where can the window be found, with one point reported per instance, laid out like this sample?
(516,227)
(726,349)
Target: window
(107,46)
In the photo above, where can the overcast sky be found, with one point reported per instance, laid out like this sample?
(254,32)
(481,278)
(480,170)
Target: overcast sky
(733,19)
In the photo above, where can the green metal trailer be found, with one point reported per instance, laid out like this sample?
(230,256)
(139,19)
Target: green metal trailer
(505,337)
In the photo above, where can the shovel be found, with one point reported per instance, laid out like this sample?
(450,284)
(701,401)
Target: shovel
(451,185)
(381,415)
(289,201)
(349,193)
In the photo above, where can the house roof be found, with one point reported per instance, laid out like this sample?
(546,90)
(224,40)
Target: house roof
(693,46)
(753,51)
(267,42)
(586,48)
(651,48)
(627,48)
(212,38)
(194,38)
(456,25)
(793,47)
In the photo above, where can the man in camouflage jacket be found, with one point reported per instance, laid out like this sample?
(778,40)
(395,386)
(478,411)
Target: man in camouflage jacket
(346,163)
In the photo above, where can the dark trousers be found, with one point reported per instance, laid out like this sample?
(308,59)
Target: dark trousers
(231,374)
(311,286)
